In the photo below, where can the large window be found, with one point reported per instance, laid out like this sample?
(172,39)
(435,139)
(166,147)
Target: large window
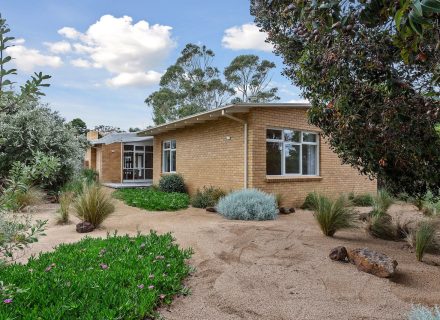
(169,156)
(138,162)
(291,152)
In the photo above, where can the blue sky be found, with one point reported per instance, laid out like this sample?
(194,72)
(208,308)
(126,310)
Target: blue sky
(106,57)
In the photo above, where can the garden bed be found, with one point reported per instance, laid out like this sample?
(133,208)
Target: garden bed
(153,199)
(112,278)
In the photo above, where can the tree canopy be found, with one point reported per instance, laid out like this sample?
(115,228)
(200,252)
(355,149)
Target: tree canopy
(193,84)
(29,130)
(371,71)
(79,125)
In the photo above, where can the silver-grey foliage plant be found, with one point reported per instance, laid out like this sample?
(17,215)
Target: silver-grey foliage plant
(419,312)
(248,204)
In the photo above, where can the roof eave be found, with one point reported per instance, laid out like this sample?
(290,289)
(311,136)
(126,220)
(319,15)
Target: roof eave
(215,114)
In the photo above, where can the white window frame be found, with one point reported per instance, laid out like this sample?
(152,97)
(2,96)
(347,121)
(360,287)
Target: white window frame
(172,152)
(300,143)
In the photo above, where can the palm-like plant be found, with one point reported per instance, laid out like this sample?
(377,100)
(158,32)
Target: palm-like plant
(93,204)
(333,215)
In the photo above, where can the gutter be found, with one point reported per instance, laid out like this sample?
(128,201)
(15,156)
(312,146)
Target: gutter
(245,125)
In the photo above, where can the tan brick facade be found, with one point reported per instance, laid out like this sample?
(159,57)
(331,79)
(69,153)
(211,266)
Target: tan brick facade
(334,178)
(212,154)
(207,154)
(108,162)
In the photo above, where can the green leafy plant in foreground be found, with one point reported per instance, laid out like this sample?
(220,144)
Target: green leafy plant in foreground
(112,278)
(153,199)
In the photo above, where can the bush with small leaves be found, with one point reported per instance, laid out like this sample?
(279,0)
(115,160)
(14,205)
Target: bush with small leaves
(207,197)
(248,204)
(333,215)
(93,204)
(172,183)
(420,312)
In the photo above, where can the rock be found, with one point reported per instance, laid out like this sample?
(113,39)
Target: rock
(338,254)
(84,227)
(284,210)
(211,209)
(373,262)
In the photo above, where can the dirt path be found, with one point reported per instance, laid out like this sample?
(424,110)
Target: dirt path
(272,270)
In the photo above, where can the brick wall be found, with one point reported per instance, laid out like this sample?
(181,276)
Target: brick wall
(109,158)
(205,155)
(334,177)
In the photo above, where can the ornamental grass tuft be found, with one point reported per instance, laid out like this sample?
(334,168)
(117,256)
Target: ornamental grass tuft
(248,204)
(93,204)
(96,279)
(333,215)
(424,238)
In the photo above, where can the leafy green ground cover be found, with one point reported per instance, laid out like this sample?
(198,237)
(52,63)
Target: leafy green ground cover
(113,278)
(153,199)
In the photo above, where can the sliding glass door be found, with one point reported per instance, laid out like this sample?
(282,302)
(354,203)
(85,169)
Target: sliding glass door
(137,163)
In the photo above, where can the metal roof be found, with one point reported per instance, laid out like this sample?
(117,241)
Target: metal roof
(121,137)
(215,114)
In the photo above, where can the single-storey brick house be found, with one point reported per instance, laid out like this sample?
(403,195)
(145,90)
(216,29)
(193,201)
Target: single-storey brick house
(271,147)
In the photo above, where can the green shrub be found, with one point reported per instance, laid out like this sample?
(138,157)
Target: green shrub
(152,199)
(430,205)
(248,204)
(419,312)
(279,199)
(311,201)
(172,183)
(113,278)
(361,200)
(19,196)
(90,175)
(77,182)
(93,204)
(424,238)
(333,215)
(207,197)
(16,233)
(66,199)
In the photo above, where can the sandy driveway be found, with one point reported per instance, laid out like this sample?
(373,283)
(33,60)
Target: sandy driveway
(272,270)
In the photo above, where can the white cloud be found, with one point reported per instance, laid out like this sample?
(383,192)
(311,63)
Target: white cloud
(69,33)
(81,63)
(135,79)
(27,59)
(298,101)
(131,51)
(245,37)
(59,47)
(18,41)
